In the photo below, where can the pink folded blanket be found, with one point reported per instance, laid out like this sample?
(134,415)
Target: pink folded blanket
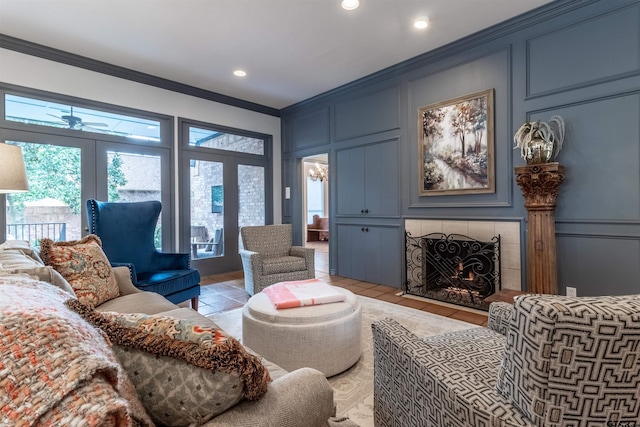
(302,292)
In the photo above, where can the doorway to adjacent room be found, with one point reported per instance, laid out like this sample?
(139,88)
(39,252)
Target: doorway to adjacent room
(316,208)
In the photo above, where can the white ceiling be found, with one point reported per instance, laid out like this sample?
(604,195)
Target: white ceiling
(290,49)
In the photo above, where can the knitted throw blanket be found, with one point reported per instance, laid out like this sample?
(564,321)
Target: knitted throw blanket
(55,368)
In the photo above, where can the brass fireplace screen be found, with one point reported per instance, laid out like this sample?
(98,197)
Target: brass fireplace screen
(452,268)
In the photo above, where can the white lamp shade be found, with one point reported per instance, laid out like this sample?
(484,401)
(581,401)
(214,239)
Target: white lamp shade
(13,176)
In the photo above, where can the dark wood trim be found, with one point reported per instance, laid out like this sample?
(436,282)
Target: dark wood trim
(57,55)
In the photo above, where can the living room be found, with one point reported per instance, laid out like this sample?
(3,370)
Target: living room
(573,58)
(596,215)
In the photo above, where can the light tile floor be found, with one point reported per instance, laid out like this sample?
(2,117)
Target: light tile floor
(224,292)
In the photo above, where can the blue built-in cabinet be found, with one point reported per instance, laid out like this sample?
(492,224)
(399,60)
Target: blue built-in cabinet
(576,58)
(367,180)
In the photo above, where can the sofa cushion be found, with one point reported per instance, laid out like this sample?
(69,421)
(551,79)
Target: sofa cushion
(56,369)
(14,258)
(44,274)
(84,265)
(283,264)
(140,302)
(22,246)
(185,371)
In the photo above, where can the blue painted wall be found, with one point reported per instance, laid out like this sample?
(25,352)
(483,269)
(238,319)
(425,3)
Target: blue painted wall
(577,59)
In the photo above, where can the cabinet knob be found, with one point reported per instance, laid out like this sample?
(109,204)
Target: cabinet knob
(362,229)
(366,211)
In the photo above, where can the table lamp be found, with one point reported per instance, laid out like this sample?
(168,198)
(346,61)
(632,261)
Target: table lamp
(13,176)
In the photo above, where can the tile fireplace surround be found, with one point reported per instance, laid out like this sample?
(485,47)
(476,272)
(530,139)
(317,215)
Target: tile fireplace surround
(509,231)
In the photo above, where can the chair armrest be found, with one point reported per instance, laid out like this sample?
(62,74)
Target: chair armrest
(132,270)
(123,278)
(171,261)
(500,314)
(251,262)
(392,352)
(307,253)
(302,398)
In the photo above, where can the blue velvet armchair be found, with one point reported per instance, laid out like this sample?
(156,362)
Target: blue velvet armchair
(127,232)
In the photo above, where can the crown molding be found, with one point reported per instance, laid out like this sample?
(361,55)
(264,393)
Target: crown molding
(63,57)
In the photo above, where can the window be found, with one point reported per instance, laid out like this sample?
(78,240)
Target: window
(77,149)
(225,141)
(67,116)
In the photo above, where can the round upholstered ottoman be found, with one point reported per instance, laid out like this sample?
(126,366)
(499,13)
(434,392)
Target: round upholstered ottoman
(326,337)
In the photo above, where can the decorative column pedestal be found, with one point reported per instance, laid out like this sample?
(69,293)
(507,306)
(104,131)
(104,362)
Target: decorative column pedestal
(539,184)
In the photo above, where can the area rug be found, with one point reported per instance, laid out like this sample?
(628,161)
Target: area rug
(354,387)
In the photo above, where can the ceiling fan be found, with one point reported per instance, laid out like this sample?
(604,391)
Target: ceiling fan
(75,122)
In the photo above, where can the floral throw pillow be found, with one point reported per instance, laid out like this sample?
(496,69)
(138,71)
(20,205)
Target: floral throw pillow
(84,265)
(185,371)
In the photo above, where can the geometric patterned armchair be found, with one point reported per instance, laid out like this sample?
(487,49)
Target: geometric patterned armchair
(268,257)
(565,361)
(127,231)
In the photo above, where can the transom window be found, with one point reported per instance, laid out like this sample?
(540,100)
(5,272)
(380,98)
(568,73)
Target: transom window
(225,141)
(66,116)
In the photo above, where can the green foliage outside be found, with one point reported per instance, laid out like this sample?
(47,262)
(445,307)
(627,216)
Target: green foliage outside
(115,177)
(55,172)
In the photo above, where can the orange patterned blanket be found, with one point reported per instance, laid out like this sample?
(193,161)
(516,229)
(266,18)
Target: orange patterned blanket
(56,369)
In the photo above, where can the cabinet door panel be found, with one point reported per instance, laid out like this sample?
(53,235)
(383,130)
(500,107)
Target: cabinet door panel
(369,253)
(384,267)
(381,179)
(350,181)
(351,256)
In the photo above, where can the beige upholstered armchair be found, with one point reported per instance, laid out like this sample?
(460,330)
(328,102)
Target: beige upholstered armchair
(548,361)
(268,257)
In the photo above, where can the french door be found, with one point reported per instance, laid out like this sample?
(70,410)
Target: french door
(58,183)
(64,171)
(226,182)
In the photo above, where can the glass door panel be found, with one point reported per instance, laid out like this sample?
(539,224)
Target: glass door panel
(226,182)
(52,207)
(135,178)
(251,197)
(207,209)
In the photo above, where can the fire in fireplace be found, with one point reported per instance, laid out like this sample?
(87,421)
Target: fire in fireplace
(452,268)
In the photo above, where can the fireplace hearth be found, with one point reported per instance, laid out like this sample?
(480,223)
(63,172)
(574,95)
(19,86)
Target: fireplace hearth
(453,268)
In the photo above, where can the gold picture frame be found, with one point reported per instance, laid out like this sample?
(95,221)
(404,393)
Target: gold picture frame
(456,146)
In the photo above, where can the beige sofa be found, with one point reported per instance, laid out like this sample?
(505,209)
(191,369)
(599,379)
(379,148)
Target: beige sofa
(300,398)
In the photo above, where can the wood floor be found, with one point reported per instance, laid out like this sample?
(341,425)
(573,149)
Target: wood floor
(225,292)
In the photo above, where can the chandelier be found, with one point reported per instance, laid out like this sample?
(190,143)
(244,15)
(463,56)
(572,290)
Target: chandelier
(320,172)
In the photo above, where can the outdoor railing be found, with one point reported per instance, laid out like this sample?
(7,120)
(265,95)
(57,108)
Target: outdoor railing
(34,232)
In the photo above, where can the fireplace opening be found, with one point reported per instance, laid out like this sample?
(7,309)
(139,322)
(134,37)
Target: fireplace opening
(453,268)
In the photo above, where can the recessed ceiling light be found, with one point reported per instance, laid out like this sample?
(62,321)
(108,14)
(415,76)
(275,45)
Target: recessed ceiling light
(239,73)
(350,4)
(421,23)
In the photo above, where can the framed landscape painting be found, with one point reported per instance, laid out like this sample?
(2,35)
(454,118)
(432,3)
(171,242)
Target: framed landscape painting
(456,146)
